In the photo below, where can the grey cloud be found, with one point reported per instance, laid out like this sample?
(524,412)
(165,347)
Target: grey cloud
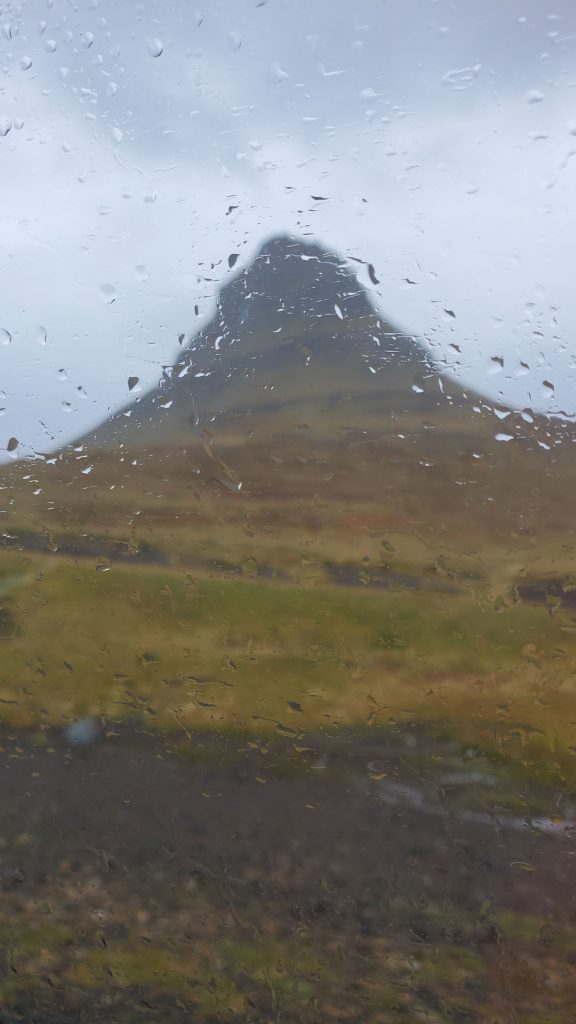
(126,164)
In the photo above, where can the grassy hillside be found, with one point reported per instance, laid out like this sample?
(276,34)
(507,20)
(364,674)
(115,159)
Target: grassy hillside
(360,582)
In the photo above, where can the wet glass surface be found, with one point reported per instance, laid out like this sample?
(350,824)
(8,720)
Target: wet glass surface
(287,550)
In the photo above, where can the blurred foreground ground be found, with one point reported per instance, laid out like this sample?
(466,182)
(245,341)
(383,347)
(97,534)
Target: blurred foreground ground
(393,876)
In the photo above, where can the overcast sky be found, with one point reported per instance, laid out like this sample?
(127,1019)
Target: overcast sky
(442,132)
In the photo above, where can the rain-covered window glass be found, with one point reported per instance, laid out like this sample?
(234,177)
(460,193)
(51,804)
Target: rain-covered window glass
(287,499)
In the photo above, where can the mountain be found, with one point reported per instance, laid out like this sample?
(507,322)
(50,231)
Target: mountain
(305,508)
(299,391)
(295,343)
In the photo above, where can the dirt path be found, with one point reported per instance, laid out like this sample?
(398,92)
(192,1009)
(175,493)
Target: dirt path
(223,845)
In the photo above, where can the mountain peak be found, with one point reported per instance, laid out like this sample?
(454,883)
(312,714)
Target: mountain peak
(286,245)
(294,339)
(291,277)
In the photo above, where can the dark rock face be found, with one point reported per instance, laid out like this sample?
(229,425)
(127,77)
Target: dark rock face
(294,339)
(292,278)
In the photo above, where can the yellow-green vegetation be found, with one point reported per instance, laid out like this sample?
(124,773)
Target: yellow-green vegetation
(191,649)
(211,963)
(211,975)
(199,959)
(354,581)
(527,928)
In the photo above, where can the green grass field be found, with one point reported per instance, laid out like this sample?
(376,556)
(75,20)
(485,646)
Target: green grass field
(189,648)
(353,583)
(339,591)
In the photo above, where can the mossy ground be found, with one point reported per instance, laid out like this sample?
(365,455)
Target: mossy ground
(162,601)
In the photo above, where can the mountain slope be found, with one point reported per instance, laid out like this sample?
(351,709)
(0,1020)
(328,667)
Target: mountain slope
(295,342)
(298,391)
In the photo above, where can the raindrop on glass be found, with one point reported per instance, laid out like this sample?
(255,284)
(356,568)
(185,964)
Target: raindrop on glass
(108,293)
(84,732)
(155,47)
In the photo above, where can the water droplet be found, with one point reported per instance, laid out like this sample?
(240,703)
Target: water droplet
(504,437)
(132,382)
(84,732)
(338,311)
(87,38)
(547,389)
(108,293)
(535,96)
(117,134)
(111,89)
(5,126)
(42,336)
(155,47)
(496,365)
(26,63)
(5,336)
(51,45)
(460,78)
